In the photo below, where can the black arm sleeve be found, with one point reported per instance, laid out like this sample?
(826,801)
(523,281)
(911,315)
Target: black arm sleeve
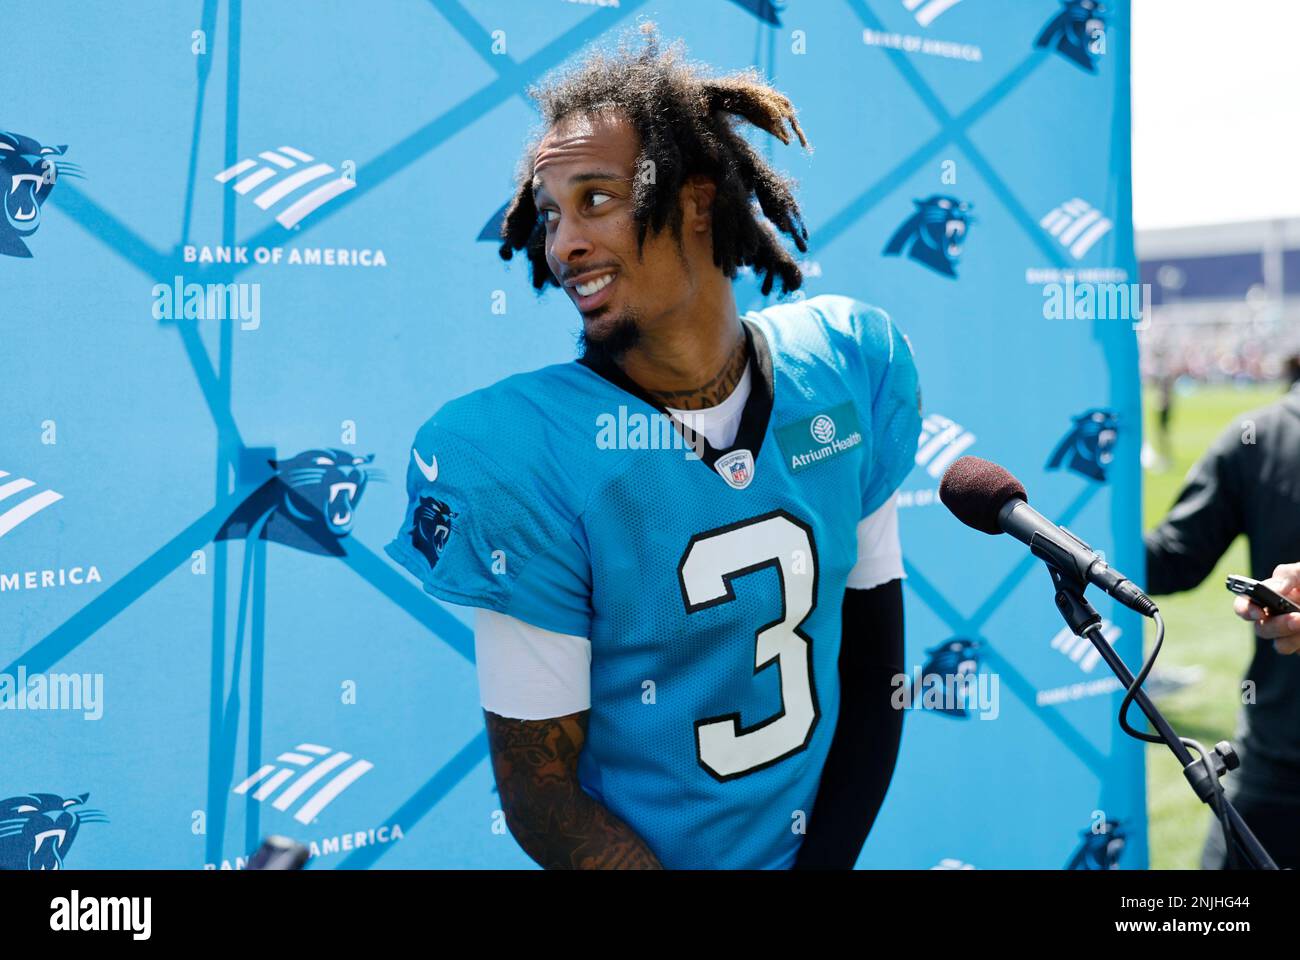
(867,733)
(1203,522)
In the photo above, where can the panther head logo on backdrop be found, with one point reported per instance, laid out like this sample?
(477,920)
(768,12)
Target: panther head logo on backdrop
(1073,31)
(28,174)
(956,662)
(37,829)
(307,504)
(1101,847)
(934,234)
(1089,444)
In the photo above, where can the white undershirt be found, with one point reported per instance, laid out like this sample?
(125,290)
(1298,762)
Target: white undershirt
(527,673)
(718,424)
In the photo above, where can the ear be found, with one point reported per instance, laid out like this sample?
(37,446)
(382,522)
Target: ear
(698,195)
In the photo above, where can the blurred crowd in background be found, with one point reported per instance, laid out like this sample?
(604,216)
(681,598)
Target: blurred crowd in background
(1224,304)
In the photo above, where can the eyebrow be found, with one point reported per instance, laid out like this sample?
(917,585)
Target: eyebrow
(581,178)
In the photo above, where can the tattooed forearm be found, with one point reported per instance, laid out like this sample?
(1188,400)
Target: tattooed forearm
(556,822)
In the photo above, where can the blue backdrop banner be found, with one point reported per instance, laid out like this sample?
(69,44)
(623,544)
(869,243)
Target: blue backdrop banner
(242,261)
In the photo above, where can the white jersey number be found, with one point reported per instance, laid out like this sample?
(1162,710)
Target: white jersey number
(711,562)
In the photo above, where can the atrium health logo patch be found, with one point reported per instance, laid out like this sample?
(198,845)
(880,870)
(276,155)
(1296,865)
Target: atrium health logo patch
(29,171)
(822,428)
(831,432)
(934,235)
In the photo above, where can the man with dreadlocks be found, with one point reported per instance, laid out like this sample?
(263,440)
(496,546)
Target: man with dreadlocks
(659,635)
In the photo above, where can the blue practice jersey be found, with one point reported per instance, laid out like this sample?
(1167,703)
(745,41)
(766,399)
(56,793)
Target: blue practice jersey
(708,581)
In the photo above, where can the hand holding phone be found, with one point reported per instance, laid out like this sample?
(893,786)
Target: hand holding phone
(1276,617)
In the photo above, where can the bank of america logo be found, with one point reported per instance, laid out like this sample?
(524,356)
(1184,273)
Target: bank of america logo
(14,512)
(1076,226)
(306,761)
(925,11)
(942,442)
(1080,650)
(278,163)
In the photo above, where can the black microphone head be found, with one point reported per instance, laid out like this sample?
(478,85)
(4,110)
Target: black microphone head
(975,490)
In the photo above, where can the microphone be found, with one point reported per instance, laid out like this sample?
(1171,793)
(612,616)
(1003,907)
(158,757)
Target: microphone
(985,496)
(279,853)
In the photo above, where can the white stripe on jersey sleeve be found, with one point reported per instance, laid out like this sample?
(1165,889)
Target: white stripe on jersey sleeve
(880,554)
(527,673)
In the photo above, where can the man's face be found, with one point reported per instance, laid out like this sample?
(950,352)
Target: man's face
(583,178)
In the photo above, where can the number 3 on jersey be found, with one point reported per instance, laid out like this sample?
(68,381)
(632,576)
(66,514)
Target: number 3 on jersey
(711,562)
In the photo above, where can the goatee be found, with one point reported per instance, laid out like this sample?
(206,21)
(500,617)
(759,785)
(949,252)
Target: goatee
(611,344)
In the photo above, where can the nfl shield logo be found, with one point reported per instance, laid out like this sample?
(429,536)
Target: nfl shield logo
(737,468)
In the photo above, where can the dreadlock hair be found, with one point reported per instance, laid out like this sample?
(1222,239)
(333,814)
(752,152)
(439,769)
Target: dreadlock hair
(686,122)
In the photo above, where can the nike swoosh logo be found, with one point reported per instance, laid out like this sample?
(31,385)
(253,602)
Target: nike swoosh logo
(430,469)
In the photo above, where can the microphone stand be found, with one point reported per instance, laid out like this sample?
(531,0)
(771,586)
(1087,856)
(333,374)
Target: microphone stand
(1084,621)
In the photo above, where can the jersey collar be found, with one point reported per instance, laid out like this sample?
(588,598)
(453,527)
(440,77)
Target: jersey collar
(758,408)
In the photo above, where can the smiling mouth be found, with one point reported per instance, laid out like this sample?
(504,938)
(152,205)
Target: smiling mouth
(593,291)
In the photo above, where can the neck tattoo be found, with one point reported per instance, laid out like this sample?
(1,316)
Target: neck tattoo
(713,391)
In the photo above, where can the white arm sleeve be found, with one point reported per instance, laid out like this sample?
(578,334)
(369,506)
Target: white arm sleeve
(880,555)
(527,673)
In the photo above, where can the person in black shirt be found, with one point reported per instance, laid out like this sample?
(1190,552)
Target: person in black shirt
(1249,482)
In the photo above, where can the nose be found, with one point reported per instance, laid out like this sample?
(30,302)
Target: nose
(569,241)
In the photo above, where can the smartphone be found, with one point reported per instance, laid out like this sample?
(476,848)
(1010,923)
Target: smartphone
(1273,602)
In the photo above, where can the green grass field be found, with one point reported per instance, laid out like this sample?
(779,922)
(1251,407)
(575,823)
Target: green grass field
(1200,628)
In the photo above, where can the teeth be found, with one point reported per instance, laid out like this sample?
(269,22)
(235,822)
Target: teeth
(600,283)
(45,835)
(340,519)
(18,179)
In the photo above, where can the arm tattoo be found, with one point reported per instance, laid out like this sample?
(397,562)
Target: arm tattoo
(555,821)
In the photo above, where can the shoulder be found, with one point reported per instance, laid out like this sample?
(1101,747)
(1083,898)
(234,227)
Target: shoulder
(490,414)
(532,434)
(839,328)
(1255,437)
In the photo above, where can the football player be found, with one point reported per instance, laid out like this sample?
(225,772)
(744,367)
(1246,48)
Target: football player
(683,547)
